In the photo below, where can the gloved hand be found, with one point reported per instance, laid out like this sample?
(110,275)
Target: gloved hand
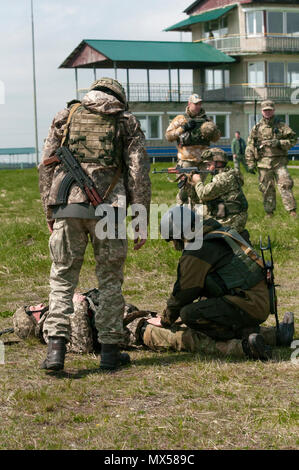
(273,143)
(252,171)
(189,126)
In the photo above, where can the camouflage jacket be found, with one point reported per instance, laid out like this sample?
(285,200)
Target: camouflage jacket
(134,183)
(175,130)
(268,144)
(225,199)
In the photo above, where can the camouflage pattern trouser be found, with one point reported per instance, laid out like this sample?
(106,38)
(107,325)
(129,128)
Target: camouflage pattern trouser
(240,159)
(182,338)
(67,247)
(267,179)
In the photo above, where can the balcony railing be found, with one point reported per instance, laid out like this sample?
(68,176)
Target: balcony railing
(259,43)
(140,92)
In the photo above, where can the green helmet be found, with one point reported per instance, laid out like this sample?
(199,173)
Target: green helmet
(112,85)
(214,154)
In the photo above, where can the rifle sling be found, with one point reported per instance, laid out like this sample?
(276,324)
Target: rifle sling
(247,249)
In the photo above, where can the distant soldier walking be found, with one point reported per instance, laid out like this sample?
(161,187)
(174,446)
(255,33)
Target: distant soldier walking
(267,148)
(108,143)
(238,147)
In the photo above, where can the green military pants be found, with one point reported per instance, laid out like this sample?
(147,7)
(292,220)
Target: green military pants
(67,247)
(217,318)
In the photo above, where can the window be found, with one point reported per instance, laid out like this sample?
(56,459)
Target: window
(251,121)
(293,74)
(255,22)
(276,73)
(216,28)
(151,125)
(216,79)
(294,123)
(292,23)
(283,22)
(222,122)
(256,73)
(275,22)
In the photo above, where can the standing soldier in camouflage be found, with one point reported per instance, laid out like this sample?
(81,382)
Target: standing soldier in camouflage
(109,144)
(267,148)
(223,196)
(193,132)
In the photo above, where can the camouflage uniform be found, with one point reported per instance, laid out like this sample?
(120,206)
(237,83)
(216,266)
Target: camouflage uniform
(191,144)
(267,148)
(223,196)
(70,233)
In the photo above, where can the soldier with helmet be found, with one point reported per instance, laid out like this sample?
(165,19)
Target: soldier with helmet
(223,196)
(108,143)
(267,149)
(220,289)
(193,132)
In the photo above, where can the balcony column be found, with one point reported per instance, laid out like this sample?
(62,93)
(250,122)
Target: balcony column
(115,70)
(76,81)
(128,85)
(179,86)
(94,73)
(169,77)
(148,85)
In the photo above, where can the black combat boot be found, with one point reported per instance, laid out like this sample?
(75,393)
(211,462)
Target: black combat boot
(254,347)
(112,358)
(286,330)
(56,354)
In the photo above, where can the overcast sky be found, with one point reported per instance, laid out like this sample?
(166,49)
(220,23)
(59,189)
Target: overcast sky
(60,25)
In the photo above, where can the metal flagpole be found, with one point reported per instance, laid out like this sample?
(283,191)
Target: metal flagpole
(34,85)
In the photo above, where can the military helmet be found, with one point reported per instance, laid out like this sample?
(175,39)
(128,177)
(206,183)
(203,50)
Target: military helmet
(177,224)
(214,154)
(24,325)
(210,131)
(112,85)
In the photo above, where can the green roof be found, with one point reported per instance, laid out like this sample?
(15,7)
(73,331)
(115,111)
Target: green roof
(202,18)
(143,54)
(17,151)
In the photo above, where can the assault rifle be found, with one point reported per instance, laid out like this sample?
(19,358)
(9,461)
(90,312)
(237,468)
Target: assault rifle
(6,331)
(74,174)
(182,172)
(269,276)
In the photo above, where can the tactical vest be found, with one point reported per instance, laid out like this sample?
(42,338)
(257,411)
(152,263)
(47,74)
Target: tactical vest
(219,208)
(93,138)
(243,272)
(195,137)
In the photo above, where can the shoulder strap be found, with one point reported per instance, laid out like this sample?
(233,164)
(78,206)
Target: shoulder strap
(67,125)
(247,249)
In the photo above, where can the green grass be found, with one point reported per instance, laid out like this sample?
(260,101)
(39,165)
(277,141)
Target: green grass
(163,400)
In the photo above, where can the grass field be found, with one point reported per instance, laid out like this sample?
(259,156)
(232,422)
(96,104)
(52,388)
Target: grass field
(163,400)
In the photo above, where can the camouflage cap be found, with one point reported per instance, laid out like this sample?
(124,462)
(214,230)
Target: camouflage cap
(112,84)
(210,131)
(24,325)
(267,105)
(214,154)
(194,99)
